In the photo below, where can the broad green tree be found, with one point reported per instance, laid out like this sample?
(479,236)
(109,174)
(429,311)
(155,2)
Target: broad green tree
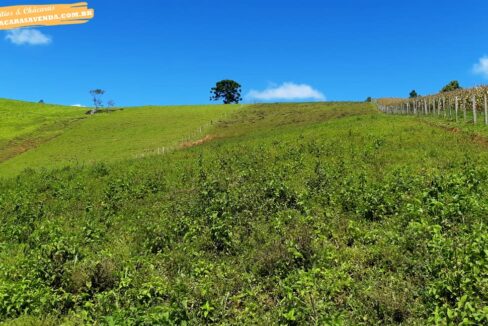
(227,90)
(452,86)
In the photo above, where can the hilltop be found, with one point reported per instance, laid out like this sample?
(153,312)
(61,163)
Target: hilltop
(47,136)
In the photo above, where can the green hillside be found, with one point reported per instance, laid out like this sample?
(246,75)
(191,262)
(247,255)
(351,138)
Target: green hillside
(102,137)
(291,214)
(25,125)
(22,118)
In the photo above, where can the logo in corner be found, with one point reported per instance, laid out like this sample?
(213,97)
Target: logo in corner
(14,17)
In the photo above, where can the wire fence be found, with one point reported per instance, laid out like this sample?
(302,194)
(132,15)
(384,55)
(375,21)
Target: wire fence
(468,105)
(193,136)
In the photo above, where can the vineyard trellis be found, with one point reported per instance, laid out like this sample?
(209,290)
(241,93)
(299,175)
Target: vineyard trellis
(466,104)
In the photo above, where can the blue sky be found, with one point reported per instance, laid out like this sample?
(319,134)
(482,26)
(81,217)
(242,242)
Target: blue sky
(173,51)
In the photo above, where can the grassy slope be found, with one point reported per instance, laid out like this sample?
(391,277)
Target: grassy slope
(292,215)
(25,125)
(118,135)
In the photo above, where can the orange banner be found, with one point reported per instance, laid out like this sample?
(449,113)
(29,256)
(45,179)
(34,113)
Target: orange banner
(44,15)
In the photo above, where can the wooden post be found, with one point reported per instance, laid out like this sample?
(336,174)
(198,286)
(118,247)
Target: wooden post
(457,107)
(474,109)
(425,107)
(486,110)
(451,109)
(464,110)
(444,106)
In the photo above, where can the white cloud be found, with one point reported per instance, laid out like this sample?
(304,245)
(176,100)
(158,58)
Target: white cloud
(79,105)
(287,91)
(28,36)
(481,68)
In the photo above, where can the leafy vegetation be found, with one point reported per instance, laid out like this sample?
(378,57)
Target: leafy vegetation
(294,214)
(452,86)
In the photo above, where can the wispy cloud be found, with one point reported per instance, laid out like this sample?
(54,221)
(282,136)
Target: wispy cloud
(79,105)
(288,92)
(481,67)
(28,37)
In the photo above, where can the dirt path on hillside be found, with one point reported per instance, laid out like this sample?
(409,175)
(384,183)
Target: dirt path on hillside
(41,136)
(206,139)
(471,136)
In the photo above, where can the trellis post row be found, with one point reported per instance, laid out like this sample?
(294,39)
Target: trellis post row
(446,104)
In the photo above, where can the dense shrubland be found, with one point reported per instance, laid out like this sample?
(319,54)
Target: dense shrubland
(347,222)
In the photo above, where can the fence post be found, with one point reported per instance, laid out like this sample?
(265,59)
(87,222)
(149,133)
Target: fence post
(444,106)
(464,110)
(457,107)
(486,110)
(474,109)
(449,104)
